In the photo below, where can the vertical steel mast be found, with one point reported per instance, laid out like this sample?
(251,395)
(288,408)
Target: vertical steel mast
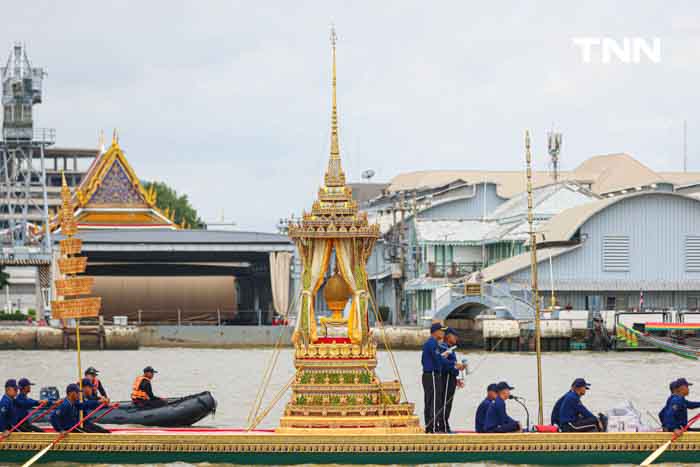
(533,274)
(22,183)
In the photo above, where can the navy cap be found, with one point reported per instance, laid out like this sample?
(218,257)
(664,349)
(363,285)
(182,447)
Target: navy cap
(24,382)
(580,383)
(72,388)
(436,327)
(450,331)
(87,383)
(673,386)
(682,382)
(92,371)
(492,387)
(149,369)
(11,383)
(503,385)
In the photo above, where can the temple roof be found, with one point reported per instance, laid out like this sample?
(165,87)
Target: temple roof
(335,213)
(111,196)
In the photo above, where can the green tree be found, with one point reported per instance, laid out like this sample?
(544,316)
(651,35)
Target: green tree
(167,199)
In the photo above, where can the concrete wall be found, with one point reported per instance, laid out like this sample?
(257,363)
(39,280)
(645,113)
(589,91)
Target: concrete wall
(258,336)
(24,290)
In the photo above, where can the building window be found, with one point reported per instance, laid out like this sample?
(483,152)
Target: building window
(610,303)
(692,253)
(693,303)
(616,253)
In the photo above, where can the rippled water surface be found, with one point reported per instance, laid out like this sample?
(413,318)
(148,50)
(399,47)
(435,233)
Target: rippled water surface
(233,376)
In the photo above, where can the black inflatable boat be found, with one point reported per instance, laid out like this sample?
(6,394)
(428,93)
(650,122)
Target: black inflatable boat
(179,412)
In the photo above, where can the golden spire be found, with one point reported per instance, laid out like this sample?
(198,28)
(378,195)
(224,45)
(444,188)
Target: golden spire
(68,227)
(101,141)
(115,137)
(334,174)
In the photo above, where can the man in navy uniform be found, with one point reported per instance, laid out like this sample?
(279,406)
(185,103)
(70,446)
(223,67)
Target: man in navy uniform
(674,416)
(7,406)
(433,360)
(67,415)
(90,402)
(480,419)
(497,420)
(449,376)
(23,404)
(573,415)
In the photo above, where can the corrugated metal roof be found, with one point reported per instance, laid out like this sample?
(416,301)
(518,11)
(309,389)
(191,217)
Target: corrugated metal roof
(451,231)
(177,236)
(521,261)
(565,224)
(605,173)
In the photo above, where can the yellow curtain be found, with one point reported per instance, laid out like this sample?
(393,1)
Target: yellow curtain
(315,265)
(347,263)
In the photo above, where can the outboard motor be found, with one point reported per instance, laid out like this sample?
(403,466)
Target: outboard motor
(50,393)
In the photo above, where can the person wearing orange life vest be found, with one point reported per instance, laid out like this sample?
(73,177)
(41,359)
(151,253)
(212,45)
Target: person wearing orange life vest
(91,374)
(142,392)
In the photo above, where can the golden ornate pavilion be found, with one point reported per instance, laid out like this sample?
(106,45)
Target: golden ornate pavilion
(336,385)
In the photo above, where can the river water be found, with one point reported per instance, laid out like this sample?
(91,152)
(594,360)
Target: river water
(233,376)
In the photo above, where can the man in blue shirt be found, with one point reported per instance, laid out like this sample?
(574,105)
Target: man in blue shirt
(674,416)
(433,360)
(480,419)
(450,371)
(573,415)
(497,420)
(23,404)
(90,402)
(67,415)
(7,406)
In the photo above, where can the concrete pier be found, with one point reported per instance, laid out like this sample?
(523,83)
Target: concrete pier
(259,336)
(48,338)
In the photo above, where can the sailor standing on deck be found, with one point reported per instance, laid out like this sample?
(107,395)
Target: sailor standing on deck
(449,376)
(674,415)
(23,403)
(433,361)
(497,420)
(7,406)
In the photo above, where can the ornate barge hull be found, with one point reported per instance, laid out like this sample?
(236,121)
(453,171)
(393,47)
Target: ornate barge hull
(222,446)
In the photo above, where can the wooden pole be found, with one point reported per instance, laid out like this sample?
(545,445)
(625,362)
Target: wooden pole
(533,274)
(80,372)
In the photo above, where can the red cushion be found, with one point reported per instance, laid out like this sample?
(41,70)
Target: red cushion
(333,340)
(546,428)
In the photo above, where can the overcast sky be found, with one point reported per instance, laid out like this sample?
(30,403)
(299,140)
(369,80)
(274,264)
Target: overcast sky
(229,102)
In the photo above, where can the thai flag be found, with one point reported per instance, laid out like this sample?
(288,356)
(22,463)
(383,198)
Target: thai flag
(641,300)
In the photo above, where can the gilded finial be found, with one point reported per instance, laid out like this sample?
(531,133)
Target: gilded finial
(334,174)
(115,137)
(101,141)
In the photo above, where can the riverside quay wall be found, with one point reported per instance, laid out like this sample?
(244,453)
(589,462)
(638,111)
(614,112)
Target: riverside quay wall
(22,337)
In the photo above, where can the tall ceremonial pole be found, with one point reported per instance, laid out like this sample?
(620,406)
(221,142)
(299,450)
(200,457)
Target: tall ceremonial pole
(533,274)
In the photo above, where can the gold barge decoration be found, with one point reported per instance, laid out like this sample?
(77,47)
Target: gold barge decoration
(278,449)
(336,386)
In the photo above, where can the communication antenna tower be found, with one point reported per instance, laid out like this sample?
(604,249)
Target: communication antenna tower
(554,148)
